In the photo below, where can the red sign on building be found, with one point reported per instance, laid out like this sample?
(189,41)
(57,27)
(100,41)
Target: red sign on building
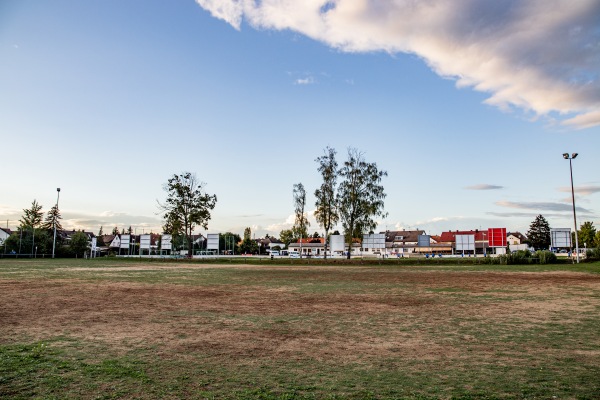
(497,237)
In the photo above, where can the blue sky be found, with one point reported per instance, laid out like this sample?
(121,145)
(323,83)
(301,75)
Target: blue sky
(467,105)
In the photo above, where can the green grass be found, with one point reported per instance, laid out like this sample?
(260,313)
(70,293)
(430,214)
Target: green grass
(465,351)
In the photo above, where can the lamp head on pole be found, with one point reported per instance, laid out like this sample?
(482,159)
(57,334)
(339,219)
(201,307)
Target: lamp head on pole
(566,156)
(58,190)
(574,155)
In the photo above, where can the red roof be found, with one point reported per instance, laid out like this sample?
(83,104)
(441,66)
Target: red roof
(311,240)
(450,236)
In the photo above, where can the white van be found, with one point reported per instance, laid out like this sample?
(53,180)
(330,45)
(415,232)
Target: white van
(294,254)
(275,253)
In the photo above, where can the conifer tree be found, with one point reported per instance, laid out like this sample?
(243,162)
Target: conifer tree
(539,233)
(52,217)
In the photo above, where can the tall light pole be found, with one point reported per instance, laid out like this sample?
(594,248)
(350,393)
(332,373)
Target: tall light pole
(570,158)
(55,216)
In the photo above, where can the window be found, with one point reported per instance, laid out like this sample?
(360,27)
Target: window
(399,238)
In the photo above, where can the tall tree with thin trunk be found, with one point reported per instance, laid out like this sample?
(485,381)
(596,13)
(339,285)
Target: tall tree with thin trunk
(301,222)
(188,204)
(326,212)
(360,195)
(32,217)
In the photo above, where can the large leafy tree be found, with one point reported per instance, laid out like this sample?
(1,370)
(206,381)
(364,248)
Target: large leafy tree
(587,234)
(539,233)
(326,212)
(188,204)
(53,217)
(360,195)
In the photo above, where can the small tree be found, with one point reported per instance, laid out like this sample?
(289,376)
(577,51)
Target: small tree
(115,231)
(187,203)
(539,233)
(326,213)
(286,236)
(360,195)
(587,234)
(79,243)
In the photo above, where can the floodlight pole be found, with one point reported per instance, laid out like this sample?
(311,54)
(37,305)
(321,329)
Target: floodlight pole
(54,240)
(570,158)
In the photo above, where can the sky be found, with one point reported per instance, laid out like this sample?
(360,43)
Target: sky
(468,105)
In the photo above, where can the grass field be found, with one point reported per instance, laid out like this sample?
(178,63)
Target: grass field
(108,328)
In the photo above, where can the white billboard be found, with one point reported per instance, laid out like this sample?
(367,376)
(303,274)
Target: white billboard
(165,242)
(212,241)
(125,240)
(374,241)
(337,243)
(145,241)
(465,242)
(560,237)
(94,242)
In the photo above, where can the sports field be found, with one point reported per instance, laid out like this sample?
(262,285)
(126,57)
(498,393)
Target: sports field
(107,328)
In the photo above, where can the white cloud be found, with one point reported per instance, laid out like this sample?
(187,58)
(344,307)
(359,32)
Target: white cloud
(305,81)
(539,56)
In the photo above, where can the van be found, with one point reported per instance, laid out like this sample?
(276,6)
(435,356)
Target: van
(275,253)
(294,254)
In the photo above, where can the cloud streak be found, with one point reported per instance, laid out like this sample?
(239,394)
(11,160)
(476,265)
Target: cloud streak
(541,206)
(581,190)
(484,186)
(538,56)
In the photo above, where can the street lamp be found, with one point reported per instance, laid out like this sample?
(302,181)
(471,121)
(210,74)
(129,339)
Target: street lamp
(570,158)
(55,216)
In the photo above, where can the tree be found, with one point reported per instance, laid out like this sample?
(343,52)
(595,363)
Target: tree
(115,231)
(587,234)
(360,196)
(79,243)
(187,203)
(597,239)
(32,217)
(286,236)
(129,230)
(53,217)
(100,232)
(248,246)
(229,241)
(539,233)
(247,233)
(301,222)
(326,213)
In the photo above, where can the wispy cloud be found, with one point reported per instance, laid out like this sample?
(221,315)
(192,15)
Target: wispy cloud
(484,186)
(585,190)
(537,56)
(541,206)
(305,81)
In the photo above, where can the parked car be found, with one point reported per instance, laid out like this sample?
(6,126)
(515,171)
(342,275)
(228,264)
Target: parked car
(294,254)
(275,253)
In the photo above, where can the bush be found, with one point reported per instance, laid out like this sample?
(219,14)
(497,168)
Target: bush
(546,257)
(592,254)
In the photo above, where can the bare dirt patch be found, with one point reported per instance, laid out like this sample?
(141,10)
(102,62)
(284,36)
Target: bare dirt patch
(415,315)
